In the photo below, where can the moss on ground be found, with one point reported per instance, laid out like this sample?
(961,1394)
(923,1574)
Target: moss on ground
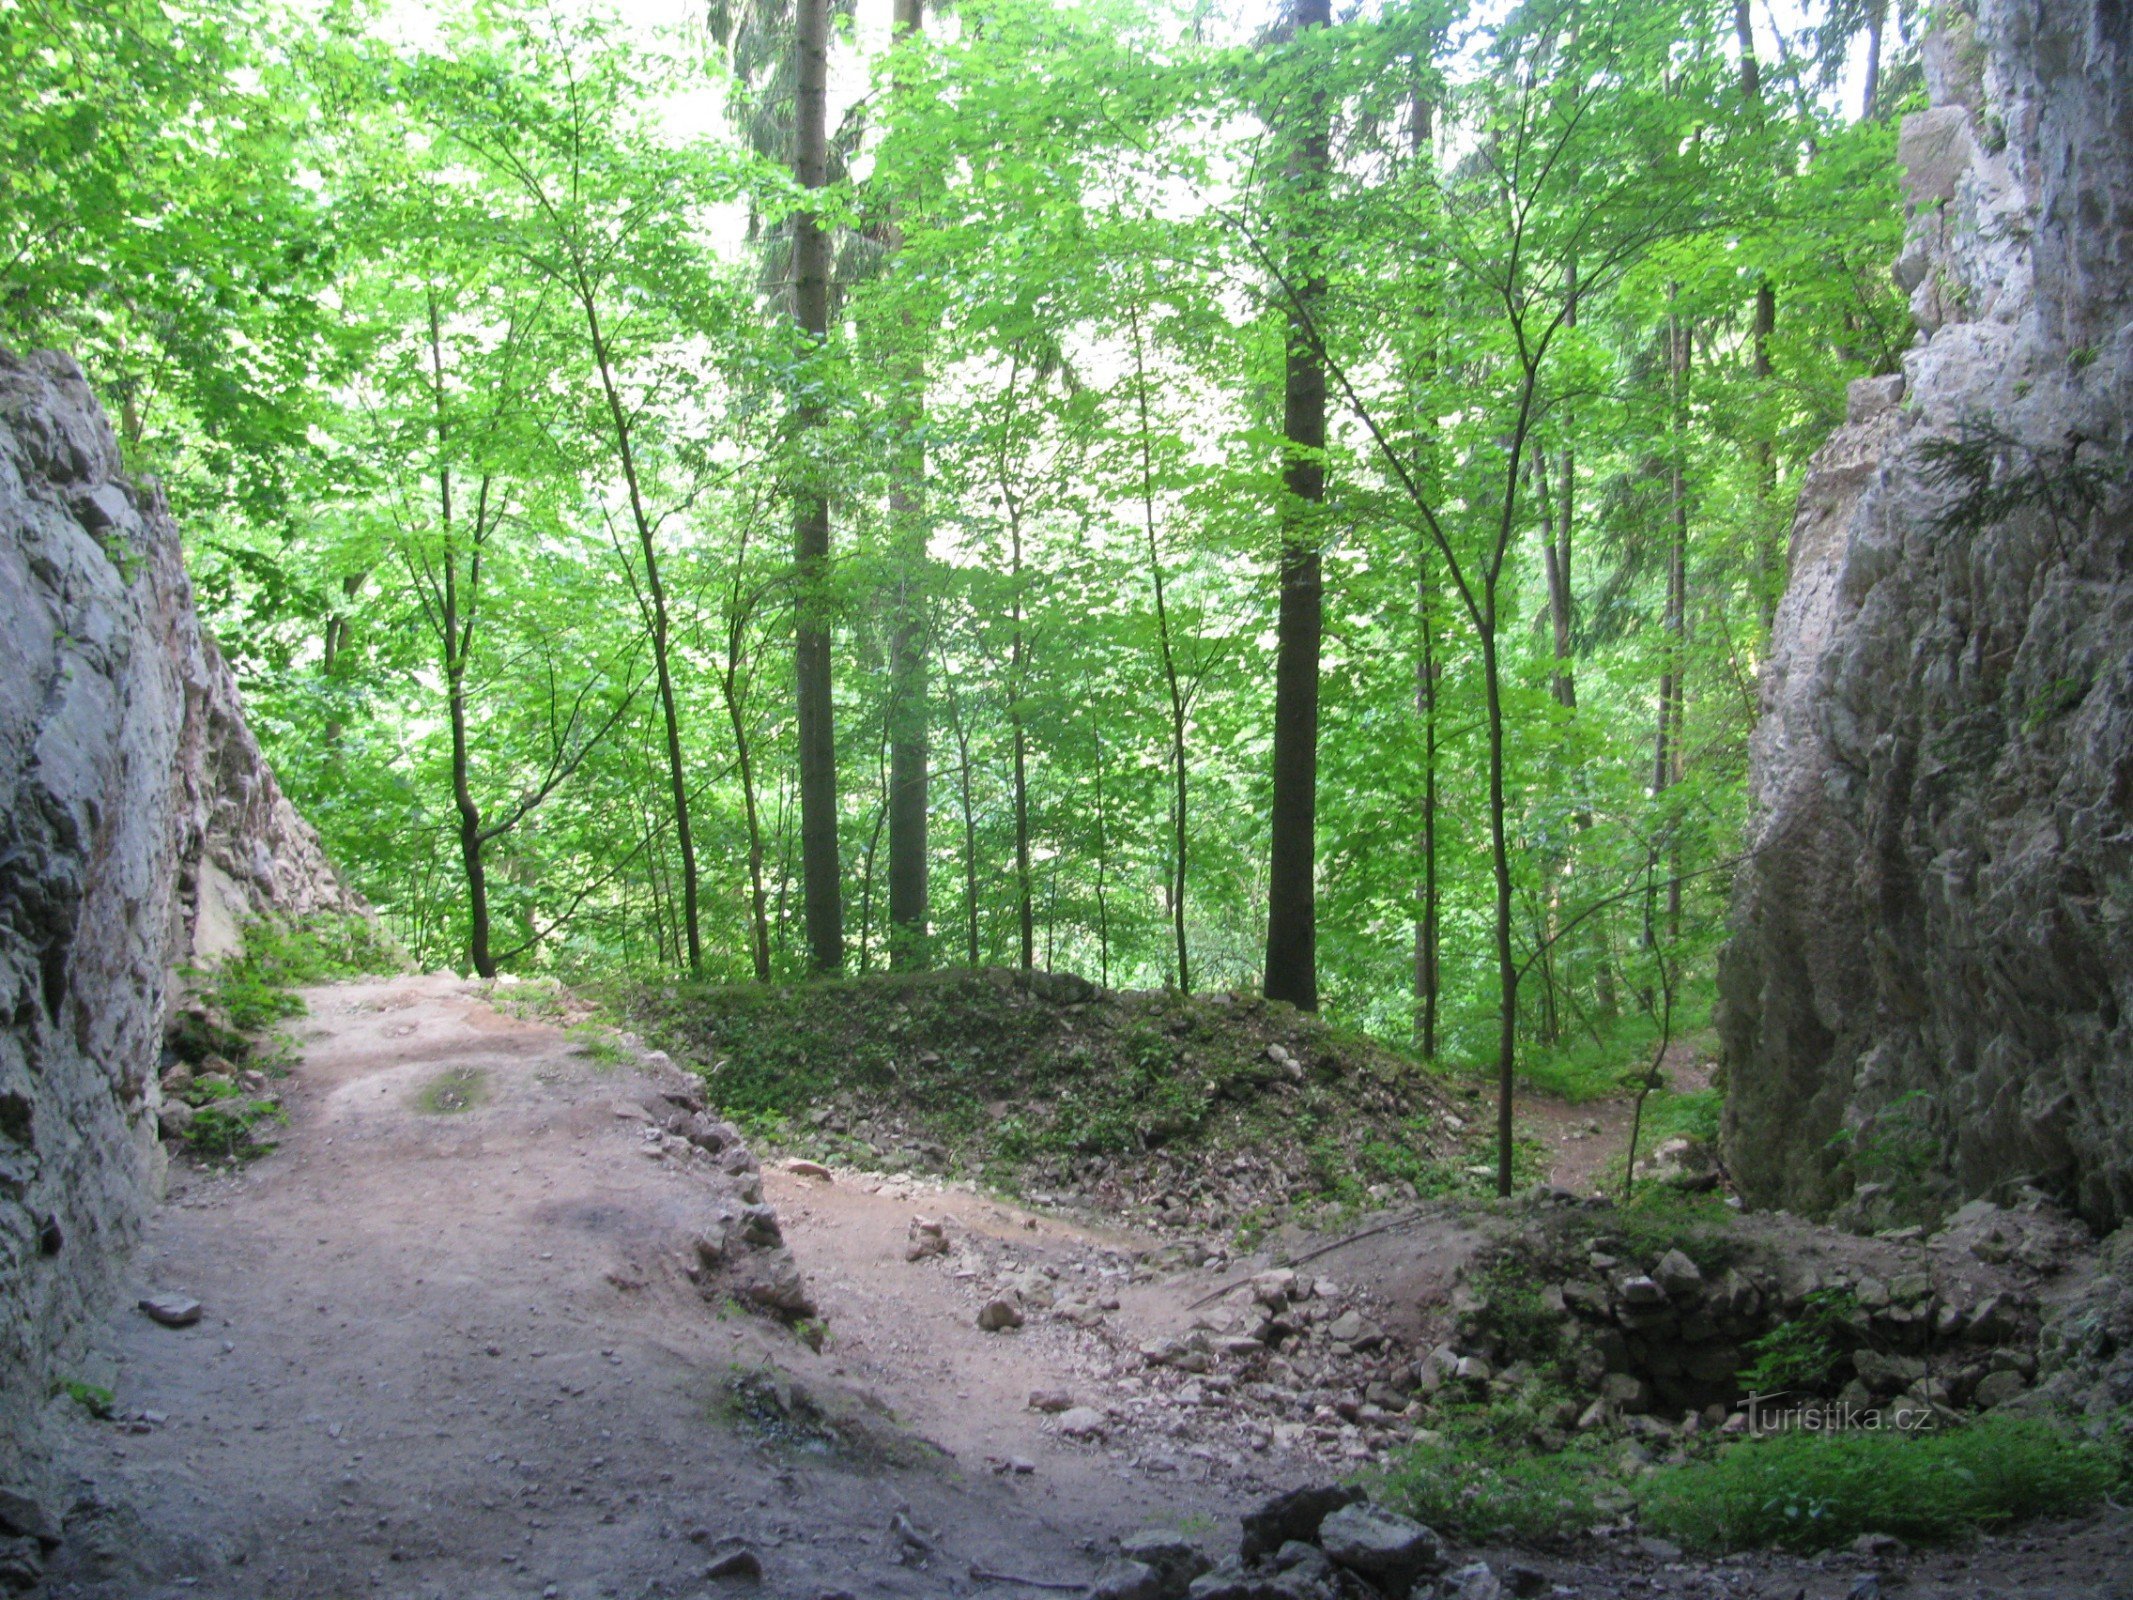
(1029,1085)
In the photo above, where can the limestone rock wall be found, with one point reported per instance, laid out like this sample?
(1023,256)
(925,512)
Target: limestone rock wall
(138,826)
(1933,940)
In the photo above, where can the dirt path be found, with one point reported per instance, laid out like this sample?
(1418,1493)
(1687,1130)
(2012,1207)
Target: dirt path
(1585,1141)
(453,1352)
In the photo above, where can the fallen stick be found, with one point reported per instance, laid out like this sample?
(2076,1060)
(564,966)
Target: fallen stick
(1341,1243)
(984,1575)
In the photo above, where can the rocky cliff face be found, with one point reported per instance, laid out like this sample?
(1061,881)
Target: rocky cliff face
(1931,979)
(138,828)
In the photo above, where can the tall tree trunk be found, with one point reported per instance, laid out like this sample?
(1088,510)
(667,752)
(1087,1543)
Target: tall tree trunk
(1172,679)
(1751,73)
(1870,96)
(456,635)
(1500,862)
(1292,867)
(1103,863)
(1555,569)
(1026,910)
(339,629)
(744,757)
(1666,758)
(908,755)
(655,601)
(470,839)
(1769,549)
(821,886)
(1562,595)
(1770,542)
(1428,671)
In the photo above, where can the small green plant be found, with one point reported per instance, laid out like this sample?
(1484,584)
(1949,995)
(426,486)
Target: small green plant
(92,1398)
(227,1126)
(2081,357)
(1804,1353)
(453,1091)
(1990,475)
(1817,1491)
(2053,701)
(1896,1146)
(598,1045)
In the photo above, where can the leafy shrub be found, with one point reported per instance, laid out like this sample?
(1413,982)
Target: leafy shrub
(254,987)
(1817,1491)
(1475,1481)
(1804,1352)
(224,1124)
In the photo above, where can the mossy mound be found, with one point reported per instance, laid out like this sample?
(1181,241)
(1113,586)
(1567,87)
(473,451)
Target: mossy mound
(1213,1111)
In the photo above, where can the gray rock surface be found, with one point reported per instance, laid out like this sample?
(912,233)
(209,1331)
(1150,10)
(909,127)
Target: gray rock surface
(1931,935)
(1388,1549)
(138,828)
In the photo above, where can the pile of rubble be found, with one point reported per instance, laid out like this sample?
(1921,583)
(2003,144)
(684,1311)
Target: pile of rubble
(1283,1361)
(1914,1329)
(1315,1543)
(1295,1360)
(739,1249)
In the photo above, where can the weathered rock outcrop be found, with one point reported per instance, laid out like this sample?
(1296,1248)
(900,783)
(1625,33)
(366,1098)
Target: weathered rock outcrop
(1933,947)
(138,827)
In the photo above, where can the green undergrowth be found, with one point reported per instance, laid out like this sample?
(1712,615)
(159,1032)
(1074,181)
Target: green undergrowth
(1471,1479)
(1817,1491)
(256,987)
(979,1075)
(228,1124)
(1607,1062)
(228,1025)
(1477,1476)
(452,1091)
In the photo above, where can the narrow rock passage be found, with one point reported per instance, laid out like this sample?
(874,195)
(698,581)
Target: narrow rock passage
(450,1349)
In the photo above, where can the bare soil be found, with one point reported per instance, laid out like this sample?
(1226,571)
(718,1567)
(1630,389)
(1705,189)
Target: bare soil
(450,1350)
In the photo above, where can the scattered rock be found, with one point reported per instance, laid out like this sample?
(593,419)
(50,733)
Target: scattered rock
(1050,1400)
(1083,1422)
(1389,1550)
(1122,1579)
(999,1314)
(1878,1546)
(1152,1565)
(1475,1581)
(736,1566)
(27,1516)
(1997,1388)
(175,1118)
(1295,1515)
(21,1565)
(1680,1277)
(172,1310)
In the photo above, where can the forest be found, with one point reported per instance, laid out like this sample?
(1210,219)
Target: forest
(1192,496)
